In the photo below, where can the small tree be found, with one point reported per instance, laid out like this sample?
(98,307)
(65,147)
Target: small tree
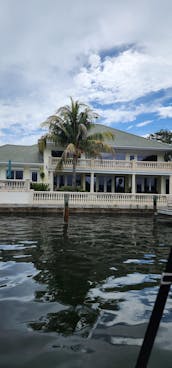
(164,136)
(71,127)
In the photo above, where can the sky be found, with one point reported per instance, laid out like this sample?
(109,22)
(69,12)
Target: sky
(115,56)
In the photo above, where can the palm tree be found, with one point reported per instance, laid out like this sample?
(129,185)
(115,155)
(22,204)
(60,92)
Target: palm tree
(70,127)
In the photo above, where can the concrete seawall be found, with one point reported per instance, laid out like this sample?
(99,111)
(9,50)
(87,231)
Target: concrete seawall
(42,209)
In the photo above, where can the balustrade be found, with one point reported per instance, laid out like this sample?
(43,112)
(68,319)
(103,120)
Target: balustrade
(99,164)
(10,184)
(102,200)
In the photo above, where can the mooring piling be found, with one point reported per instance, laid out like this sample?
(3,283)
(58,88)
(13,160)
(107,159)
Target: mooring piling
(66,208)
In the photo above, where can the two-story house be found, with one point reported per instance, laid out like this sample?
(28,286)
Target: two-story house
(137,166)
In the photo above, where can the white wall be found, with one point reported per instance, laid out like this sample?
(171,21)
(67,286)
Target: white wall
(14,197)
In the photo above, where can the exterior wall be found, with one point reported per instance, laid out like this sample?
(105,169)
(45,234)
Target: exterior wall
(27,171)
(133,173)
(14,197)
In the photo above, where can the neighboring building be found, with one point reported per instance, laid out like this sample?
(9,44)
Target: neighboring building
(138,166)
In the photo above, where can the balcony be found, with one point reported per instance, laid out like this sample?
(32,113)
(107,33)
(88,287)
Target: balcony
(14,185)
(115,166)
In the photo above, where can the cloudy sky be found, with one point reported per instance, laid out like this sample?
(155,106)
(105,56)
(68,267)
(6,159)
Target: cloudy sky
(114,55)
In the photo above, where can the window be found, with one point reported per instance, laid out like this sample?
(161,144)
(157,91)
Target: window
(19,174)
(140,157)
(69,180)
(119,184)
(15,174)
(131,157)
(56,153)
(34,176)
(107,156)
(120,156)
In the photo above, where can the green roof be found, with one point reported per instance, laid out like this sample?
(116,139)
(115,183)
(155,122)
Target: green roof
(127,140)
(22,154)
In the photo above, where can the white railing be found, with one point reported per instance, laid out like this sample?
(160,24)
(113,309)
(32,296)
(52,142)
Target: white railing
(99,200)
(114,165)
(18,185)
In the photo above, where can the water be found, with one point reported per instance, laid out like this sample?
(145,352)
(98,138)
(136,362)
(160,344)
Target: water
(81,299)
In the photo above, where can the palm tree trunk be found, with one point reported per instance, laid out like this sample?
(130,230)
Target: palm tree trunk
(74,162)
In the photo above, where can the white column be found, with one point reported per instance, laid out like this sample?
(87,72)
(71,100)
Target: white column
(170,184)
(51,177)
(113,184)
(83,181)
(105,184)
(162,185)
(92,183)
(65,180)
(133,183)
(150,185)
(143,185)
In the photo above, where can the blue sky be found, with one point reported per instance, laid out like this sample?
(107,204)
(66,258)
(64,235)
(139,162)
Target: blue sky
(115,56)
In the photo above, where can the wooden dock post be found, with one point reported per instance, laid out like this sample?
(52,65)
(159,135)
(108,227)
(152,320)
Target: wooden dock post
(155,204)
(66,208)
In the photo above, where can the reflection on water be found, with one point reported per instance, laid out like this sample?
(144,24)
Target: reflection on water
(89,290)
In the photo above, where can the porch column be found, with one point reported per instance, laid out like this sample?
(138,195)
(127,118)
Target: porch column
(150,186)
(51,177)
(97,183)
(92,183)
(105,184)
(83,181)
(170,184)
(162,185)
(133,183)
(65,180)
(58,181)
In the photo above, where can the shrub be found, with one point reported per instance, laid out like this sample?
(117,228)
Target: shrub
(39,186)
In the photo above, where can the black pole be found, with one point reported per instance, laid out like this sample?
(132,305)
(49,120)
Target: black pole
(156,315)
(66,208)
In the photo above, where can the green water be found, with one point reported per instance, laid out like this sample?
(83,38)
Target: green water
(81,298)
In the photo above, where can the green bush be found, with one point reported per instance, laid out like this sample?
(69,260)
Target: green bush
(39,186)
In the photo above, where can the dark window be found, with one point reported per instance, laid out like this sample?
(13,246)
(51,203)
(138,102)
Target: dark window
(101,183)
(109,184)
(119,184)
(11,176)
(167,186)
(61,183)
(78,180)
(56,153)
(69,180)
(131,157)
(147,158)
(19,174)
(34,176)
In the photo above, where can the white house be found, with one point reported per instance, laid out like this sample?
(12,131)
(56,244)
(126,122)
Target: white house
(138,166)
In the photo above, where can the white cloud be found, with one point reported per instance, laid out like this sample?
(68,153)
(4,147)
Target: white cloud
(144,123)
(51,50)
(129,127)
(126,77)
(165,112)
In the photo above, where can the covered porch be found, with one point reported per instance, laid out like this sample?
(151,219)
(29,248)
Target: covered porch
(115,183)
